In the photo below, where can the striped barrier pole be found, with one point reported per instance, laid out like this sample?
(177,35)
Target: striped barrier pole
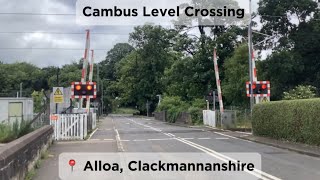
(90,77)
(218,82)
(85,62)
(254,75)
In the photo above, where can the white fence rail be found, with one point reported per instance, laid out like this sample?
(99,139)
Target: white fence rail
(209,118)
(71,126)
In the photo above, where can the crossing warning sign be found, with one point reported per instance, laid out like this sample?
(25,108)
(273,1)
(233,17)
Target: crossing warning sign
(58,92)
(58,95)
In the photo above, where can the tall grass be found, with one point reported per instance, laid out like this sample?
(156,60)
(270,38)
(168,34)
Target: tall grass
(125,111)
(10,132)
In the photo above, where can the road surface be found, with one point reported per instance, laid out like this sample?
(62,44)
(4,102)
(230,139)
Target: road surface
(135,134)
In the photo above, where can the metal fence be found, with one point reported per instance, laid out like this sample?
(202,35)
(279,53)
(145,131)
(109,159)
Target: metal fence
(42,120)
(234,119)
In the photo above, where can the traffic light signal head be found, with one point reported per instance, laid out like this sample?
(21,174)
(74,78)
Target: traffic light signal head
(78,87)
(84,90)
(89,87)
(260,88)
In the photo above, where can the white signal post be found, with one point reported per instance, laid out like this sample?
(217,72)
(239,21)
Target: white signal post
(250,55)
(85,63)
(254,73)
(90,77)
(216,70)
(254,69)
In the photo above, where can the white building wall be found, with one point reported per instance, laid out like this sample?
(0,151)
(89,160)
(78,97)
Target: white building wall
(27,105)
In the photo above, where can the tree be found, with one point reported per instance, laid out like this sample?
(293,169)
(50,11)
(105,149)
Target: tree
(141,72)
(37,100)
(236,76)
(284,71)
(307,45)
(16,73)
(182,80)
(118,52)
(282,18)
(295,59)
(187,22)
(300,92)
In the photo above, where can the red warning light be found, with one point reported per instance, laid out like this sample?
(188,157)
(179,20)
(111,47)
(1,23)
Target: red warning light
(78,87)
(254,86)
(264,86)
(89,88)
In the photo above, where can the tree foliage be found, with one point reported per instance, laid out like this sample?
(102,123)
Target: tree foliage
(236,76)
(300,92)
(178,63)
(140,73)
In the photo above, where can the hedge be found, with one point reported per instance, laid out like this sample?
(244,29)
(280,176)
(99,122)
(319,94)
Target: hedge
(294,120)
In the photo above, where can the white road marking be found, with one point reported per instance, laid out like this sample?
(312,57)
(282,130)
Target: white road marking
(108,139)
(92,133)
(125,140)
(139,140)
(169,134)
(187,138)
(221,134)
(204,138)
(256,172)
(155,129)
(221,138)
(160,139)
(118,139)
(95,139)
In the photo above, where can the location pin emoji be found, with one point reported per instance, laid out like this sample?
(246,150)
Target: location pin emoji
(72,163)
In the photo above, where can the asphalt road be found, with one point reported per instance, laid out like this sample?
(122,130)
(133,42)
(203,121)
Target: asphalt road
(133,134)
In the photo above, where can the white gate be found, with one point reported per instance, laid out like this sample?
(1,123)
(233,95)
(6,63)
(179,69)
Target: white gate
(209,118)
(69,126)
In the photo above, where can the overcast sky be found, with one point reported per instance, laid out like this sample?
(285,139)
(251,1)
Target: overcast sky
(55,57)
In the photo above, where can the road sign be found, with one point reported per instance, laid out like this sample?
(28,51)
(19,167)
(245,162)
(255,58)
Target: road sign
(58,95)
(54,117)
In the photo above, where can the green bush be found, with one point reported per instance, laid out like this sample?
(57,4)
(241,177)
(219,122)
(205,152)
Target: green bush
(126,111)
(300,92)
(196,115)
(174,106)
(11,132)
(197,106)
(295,120)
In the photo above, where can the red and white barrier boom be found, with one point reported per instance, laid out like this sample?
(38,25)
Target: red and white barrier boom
(90,77)
(85,63)
(218,82)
